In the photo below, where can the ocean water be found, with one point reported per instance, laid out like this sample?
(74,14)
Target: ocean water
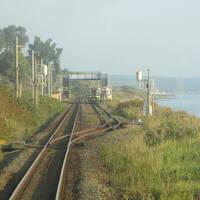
(188,103)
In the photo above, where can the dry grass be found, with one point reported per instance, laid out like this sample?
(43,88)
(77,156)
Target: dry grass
(165,171)
(19,119)
(157,161)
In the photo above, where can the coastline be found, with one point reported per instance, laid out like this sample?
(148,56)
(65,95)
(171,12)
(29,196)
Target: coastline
(189,103)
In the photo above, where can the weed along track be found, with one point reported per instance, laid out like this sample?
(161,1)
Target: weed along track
(71,172)
(81,118)
(40,181)
(49,176)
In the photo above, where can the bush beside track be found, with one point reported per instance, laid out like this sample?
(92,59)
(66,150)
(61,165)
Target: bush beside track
(19,119)
(157,161)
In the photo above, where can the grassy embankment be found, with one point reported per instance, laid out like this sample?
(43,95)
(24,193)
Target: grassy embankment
(157,161)
(125,93)
(20,120)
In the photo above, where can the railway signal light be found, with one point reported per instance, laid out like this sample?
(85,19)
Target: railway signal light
(147,86)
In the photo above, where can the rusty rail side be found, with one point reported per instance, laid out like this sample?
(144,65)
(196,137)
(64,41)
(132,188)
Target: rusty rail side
(18,192)
(61,184)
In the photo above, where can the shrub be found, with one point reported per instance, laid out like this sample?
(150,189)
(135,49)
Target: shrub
(19,119)
(157,161)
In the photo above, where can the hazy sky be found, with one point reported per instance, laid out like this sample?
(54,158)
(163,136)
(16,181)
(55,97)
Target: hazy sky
(115,36)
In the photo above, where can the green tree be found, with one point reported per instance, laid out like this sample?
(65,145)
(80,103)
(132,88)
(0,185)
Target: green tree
(48,50)
(8,36)
(2,40)
(7,51)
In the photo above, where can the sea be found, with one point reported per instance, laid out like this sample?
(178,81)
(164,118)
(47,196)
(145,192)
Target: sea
(188,103)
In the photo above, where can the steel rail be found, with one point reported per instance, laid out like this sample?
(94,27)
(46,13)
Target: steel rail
(73,137)
(60,188)
(109,114)
(76,134)
(102,129)
(18,192)
(97,132)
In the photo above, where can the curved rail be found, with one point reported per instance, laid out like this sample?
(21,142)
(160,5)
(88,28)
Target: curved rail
(18,192)
(72,138)
(75,137)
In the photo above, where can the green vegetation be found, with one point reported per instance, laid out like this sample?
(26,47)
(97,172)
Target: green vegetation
(125,93)
(19,119)
(128,109)
(168,124)
(127,102)
(79,88)
(159,160)
(7,51)
(48,50)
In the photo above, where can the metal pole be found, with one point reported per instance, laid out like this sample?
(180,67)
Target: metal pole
(33,75)
(49,80)
(35,85)
(20,89)
(100,86)
(16,69)
(42,92)
(42,77)
(148,93)
(36,92)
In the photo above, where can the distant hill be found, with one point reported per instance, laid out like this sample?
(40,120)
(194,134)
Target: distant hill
(174,85)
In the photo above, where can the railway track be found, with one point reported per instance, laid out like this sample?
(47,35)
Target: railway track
(45,179)
(107,125)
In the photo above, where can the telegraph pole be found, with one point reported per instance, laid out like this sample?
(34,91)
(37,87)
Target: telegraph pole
(42,76)
(16,68)
(35,84)
(20,89)
(147,88)
(148,94)
(49,80)
(18,83)
(36,92)
(33,73)
(34,77)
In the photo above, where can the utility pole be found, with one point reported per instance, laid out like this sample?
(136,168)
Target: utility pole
(36,92)
(149,94)
(42,77)
(16,68)
(49,80)
(18,84)
(34,78)
(33,73)
(35,84)
(147,88)
(20,89)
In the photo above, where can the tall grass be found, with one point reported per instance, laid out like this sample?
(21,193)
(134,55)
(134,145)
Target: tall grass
(132,109)
(157,161)
(168,124)
(20,119)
